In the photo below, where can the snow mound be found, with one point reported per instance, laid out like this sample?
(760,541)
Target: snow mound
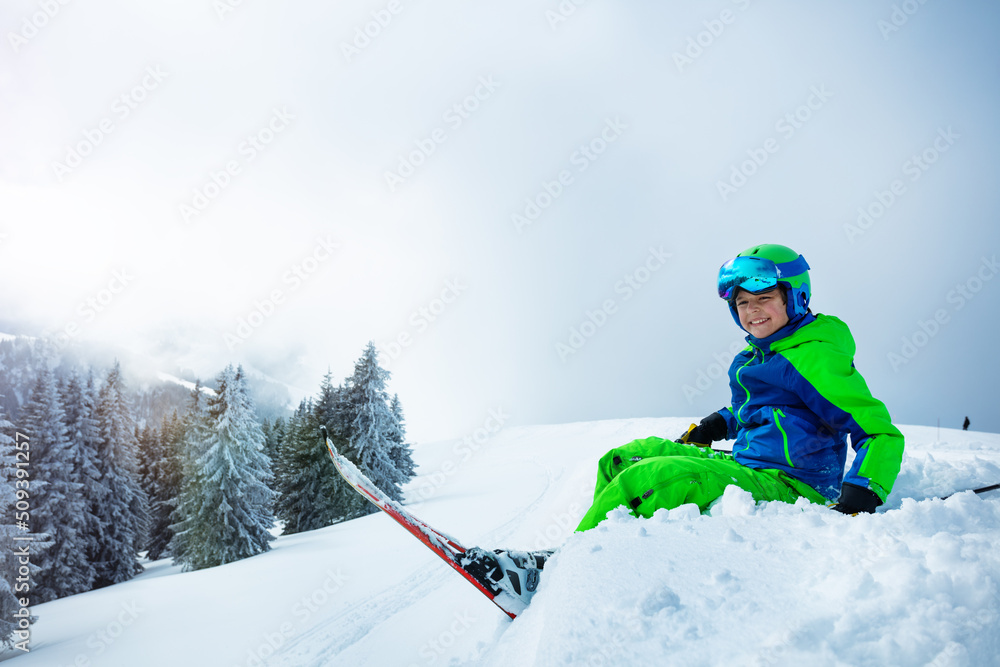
(771,584)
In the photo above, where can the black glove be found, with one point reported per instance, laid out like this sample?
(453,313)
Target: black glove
(711,428)
(854,499)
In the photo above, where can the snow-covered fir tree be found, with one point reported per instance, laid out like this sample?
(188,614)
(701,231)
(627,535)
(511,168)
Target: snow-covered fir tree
(164,481)
(312,493)
(151,452)
(373,427)
(274,431)
(402,453)
(226,504)
(122,510)
(329,407)
(79,399)
(332,410)
(195,429)
(304,500)
(59,508)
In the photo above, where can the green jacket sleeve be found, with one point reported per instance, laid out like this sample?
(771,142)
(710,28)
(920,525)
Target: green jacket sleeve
(834,390)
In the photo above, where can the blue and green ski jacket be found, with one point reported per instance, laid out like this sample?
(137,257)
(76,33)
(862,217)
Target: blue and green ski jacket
(797,396)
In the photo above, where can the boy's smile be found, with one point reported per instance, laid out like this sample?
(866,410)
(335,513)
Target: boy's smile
(761,314)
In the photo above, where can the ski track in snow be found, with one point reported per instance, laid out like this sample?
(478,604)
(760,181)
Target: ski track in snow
(321,646)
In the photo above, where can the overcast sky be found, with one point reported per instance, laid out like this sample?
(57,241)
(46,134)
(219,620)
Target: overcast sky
(524,206)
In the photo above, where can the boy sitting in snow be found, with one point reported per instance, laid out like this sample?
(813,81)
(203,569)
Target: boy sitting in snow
(795,398)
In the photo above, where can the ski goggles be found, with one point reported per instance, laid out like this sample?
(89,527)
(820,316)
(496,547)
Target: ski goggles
(756,274)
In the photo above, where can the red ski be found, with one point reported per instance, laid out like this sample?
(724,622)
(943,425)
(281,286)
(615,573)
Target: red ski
(448,548)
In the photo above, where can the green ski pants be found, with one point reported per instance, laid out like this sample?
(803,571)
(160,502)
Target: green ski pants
(655,473)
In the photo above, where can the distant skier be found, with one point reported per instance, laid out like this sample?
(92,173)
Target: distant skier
(796,396)
(965,424)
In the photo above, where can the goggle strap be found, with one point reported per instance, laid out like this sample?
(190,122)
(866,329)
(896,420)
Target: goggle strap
(792,268)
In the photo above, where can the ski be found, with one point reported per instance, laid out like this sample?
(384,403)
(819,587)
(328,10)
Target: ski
(446,547)
(985,489)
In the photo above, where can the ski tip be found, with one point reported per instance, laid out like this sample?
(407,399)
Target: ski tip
(322,432)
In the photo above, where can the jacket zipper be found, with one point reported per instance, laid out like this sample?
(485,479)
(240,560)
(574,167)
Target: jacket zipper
(784,436)
(740,382)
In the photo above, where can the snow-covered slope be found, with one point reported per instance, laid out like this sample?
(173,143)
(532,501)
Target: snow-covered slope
(774,584)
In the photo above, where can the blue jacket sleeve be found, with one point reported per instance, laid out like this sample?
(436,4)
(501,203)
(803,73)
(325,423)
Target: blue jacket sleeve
(731,423)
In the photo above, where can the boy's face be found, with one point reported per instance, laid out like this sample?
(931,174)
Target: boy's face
(761,314)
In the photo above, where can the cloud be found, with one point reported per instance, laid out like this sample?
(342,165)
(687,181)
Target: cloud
(413,97)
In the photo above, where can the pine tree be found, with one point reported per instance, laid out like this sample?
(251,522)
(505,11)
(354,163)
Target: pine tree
(333,411)
(122,511)
(329,406)
(373,427)
(273,432)
(401,453)
(165,478)
(148,452)
(312,493)
(194,436)
(79,399)
(59,508)
(151,455)
(298,502)
(227,504)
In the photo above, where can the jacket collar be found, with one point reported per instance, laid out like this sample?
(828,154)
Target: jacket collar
(796,323)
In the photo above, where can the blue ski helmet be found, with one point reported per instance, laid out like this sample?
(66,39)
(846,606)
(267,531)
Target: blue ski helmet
(762,268)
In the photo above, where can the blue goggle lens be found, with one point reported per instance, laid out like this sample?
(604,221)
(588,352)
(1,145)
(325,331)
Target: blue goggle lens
(753,274)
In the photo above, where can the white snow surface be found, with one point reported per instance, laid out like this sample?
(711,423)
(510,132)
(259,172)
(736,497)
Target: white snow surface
(918,583)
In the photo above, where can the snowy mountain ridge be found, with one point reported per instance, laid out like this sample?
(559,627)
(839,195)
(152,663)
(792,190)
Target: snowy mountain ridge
(187,384)
(917,583)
